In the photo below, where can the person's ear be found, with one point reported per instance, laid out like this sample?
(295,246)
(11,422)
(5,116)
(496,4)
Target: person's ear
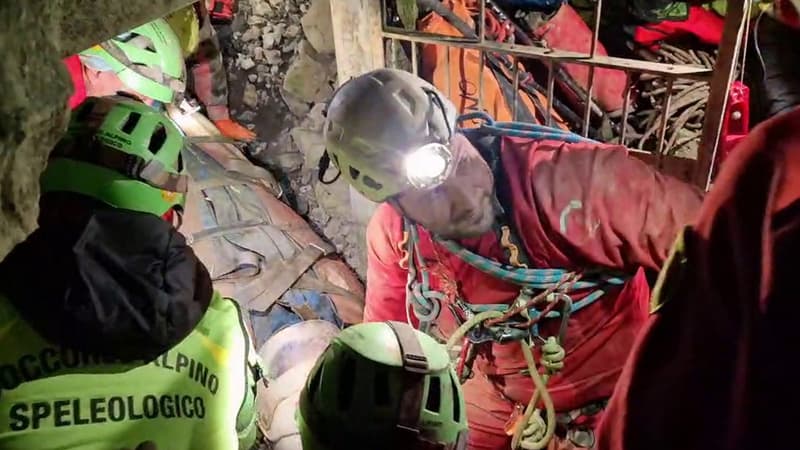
(90,75)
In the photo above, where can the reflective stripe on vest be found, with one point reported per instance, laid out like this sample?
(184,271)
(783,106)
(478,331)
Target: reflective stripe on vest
(197,395)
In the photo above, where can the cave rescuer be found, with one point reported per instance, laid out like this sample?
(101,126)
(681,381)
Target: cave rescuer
(148,63)
(110,332)
(209,82)
(382,386)
(717,355)
(521,237)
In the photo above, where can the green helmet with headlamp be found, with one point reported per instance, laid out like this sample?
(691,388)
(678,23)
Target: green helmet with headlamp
(123,153)
(383,385)
(148,60)
(388,131)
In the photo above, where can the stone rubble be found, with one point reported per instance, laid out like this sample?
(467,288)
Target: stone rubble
(281,66)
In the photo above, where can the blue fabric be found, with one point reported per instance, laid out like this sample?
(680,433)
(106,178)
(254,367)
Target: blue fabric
(281,315)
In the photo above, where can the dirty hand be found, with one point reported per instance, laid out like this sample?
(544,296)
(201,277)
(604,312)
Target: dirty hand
(234,130)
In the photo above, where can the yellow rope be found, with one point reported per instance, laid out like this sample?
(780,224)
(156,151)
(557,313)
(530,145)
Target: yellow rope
(539,383)
(541,389)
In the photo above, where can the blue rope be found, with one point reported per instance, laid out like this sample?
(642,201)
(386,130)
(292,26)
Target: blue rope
(521,129)
(533,278)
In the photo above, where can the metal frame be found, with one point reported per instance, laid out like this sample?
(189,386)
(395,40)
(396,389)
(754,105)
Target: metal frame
(720,77)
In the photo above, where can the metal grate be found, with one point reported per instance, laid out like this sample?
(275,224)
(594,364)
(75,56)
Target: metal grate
(698,170)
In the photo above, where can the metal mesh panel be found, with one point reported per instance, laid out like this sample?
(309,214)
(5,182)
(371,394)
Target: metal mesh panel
(673,85)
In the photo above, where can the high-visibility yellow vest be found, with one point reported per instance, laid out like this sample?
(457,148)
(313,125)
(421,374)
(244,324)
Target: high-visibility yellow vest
(198,395)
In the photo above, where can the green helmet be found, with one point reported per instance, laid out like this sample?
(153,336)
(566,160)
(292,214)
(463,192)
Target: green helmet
(382,385)
(377,121)
(123,153)
(148,60)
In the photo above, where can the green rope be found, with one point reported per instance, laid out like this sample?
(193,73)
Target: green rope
(529,424)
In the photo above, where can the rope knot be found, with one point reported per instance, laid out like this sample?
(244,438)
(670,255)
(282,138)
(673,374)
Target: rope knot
(553,355)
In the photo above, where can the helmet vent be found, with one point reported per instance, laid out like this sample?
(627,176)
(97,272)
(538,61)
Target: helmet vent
(346,390)
(142,42)
(456,403)
(354,173)
(130,122)
(381,388)
(157,139)
(434,401)
(371,183)
(127,36)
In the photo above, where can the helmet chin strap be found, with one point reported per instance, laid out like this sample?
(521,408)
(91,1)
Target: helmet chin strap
(437,100)
(322,169)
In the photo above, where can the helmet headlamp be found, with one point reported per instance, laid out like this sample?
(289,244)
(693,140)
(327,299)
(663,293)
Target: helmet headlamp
(428,165)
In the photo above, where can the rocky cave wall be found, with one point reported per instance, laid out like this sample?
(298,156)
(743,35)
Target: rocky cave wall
(281,70)
(34,36)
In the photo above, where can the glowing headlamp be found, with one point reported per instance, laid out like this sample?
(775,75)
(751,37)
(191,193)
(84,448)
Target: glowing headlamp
(428,165)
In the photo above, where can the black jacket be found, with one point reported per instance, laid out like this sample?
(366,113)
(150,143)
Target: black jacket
(773,69)
(121,284)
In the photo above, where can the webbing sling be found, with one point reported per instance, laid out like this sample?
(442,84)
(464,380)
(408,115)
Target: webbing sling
(415,367)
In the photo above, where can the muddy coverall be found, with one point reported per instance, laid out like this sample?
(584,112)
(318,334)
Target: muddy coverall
(574,206)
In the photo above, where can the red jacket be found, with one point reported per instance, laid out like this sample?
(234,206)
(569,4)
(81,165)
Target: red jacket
(716,366)
(575,206)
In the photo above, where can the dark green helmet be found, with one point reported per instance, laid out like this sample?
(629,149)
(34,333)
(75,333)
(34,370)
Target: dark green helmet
(383,385)
(123,153)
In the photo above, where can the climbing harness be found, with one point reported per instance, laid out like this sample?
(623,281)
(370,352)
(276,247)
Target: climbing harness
(543,294)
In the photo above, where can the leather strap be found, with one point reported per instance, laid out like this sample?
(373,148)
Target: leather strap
(210,139)
(213,232)
(316,284)
(233,179)
(280,277)
(244,170)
